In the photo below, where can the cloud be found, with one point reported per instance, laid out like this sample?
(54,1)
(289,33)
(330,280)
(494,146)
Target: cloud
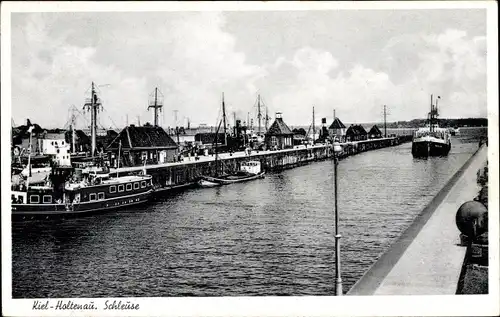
(193,58)
(449,64)
(189,57)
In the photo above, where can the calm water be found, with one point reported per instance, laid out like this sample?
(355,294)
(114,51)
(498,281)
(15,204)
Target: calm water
(273,236)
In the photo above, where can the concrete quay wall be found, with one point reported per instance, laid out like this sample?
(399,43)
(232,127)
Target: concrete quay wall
(427,258)
(174,175)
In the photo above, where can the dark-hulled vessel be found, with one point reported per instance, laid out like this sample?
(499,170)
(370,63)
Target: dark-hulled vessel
(431,140)
(76,190)
(248,170)
(92,191)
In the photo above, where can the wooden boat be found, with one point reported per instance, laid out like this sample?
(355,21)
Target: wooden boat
(249,171)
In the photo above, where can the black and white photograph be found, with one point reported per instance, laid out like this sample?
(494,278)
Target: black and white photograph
(250,158)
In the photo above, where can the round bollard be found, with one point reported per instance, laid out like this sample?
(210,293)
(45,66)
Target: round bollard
(472,219)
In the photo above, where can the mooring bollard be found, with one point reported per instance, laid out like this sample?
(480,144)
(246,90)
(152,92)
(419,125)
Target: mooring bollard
(472,219)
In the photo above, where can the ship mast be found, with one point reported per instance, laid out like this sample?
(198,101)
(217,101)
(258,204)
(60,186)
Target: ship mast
(234,120)
(267,120)
(30,130)
(157,103)
(430,116)
(433,114)
(118,158)
(216,149)
(224,119)
(259,115)
(314,127)
(385,122)
(436,114)
(73,117)
(94,104)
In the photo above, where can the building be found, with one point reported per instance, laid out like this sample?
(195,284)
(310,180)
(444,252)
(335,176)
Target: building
(279,136)
(53,143)
(82,141)
(337,130)
(209,138)
(298,139)
(99,131)
(355,133)
(187,137)
(137,145)
(106,140)
(21,139)
(374,133)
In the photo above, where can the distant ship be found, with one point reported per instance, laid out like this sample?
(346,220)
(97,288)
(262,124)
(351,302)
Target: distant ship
(431,140)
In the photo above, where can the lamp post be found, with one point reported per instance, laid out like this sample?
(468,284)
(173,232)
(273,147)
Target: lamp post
(338,280)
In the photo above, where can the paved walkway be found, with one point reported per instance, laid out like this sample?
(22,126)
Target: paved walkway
(427,259)
(209,158)
(225,156)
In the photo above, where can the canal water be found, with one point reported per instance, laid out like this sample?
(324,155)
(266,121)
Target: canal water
(273,236)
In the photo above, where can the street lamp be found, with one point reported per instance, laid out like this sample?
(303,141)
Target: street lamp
(337,149)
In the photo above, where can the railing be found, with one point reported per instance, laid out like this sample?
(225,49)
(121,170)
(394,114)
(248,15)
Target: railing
(439,135)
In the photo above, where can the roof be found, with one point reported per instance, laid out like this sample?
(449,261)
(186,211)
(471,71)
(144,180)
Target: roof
(190,131)
(79,135)
(55,131)
(54,135)
(143,137)
(279,127)
(21,132)
(84,138)
(337,124)
(356,130)
(375,130)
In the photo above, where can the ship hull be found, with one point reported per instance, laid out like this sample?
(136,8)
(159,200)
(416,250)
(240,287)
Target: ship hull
(207,181)
(26,211)
(430,148)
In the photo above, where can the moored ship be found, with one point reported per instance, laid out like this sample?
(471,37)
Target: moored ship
(64,189)
(431,140)
(249,171)
(92,191)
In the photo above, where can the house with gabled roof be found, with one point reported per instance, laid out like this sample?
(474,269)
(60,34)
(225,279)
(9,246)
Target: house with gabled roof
(137,145)
(337,130)
(374,133)
(279,135)
(356,133)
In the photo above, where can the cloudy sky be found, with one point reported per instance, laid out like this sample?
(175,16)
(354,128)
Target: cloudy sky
(351,61)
